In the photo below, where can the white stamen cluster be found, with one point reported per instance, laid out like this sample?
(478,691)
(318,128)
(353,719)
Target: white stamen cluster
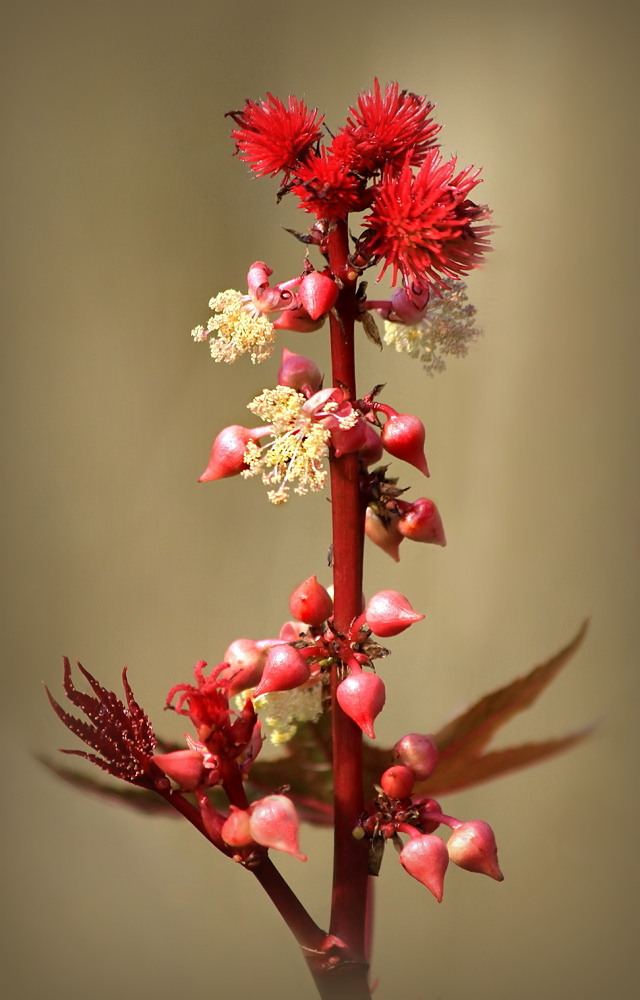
(238,327)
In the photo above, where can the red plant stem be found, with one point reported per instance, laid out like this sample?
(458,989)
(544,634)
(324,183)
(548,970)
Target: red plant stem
(349,897)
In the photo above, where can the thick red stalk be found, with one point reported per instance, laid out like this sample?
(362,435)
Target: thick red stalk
(349,897)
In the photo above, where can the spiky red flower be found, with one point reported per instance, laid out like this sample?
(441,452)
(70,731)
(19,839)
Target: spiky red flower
(424,225)
(272,137)
(121,734)
(326,185)
(387,128)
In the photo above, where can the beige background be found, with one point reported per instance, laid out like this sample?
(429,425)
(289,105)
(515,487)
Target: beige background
(125,212)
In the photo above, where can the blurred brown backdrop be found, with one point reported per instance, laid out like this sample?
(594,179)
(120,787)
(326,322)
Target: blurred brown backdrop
(124,213)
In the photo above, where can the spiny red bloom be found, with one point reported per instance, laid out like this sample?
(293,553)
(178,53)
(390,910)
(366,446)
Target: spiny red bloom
(121,735)
(425,225)
(327,186)
(272,137)
(387,128)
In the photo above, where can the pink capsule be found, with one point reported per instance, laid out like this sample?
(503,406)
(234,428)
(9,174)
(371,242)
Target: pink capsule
(185,767)
(417,752)
(298,372)
(425,858)
(227,453)
(236,830)
(310,602)
(361,696)
(397,781)
(389,613)
(473,846)
(385,536)
(317,293)
(421,522)
(403,436)
(285,668)
(274,823)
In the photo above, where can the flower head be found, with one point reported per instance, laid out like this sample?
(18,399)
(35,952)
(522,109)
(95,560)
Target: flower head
(387,128)
(447,329)
(239,327)
(271,137)
(326,185)
(425,226)
(121,735)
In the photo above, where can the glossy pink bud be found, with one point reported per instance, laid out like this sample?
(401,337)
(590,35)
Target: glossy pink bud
(426,810)
(236,830)
(409,305)
(285,668)
(389,613)
(297,320)
(317,293)
(292,631)
(274,823)
(297,372)
(361,696)
(212,820)
(345,440)
(385,536)
(397,781)
(185,767)
(472,846)
(246,660)
(422,523)
(403,437)
(425,858)
(227,453)
(310,602)
(371,451)
(417,752)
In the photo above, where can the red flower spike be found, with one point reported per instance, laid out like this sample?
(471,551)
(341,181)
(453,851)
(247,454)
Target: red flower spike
(317,293)
(361,696)
(425,858)
(227,453)
(310,603)
(389,613)
(421,522)
(185,767)
(472,846)
(387,128)
(271,137)
(425,226)
(236,830)
(285,668)
(299,373)
(385,536)
(274,823)
(417,752)
(403,436)
(398,781)
(121,735)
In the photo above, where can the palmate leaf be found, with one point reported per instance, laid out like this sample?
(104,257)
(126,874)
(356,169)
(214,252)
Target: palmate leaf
(304,768)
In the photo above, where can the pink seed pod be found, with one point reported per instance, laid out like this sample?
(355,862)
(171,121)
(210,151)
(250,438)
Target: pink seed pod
(417,752)
(246,660)
(297,320)
(285,668)
(421,522)
(317,293)
(236,830)
(185,767)
(409,305)
(273,822)
(345,440)
(397,781)
(310,602)
(403,437)
(361,696)
(227,453)
(389,613)
(425,858)
(212,820)
(298,372)
(385,536)
(472,846)
(426,809)
(371,451)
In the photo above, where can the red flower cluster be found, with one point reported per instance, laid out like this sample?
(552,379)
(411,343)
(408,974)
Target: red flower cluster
(422,224)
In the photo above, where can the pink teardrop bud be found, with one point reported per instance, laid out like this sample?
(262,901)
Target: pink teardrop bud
(473,846)
(389,613)
(227,454)
(426,810)
(417,752)
(345,440)
(297,320)
(297,372)
(212,820)
(385,536)
(425,858)
(317,293)
(185,767)
(371,451)
(403,437)
(397,781)
(361,696)
(236,830)
(409,305)
(310,602)
(422,523)
(246,660)
(274,823)
(285,668)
